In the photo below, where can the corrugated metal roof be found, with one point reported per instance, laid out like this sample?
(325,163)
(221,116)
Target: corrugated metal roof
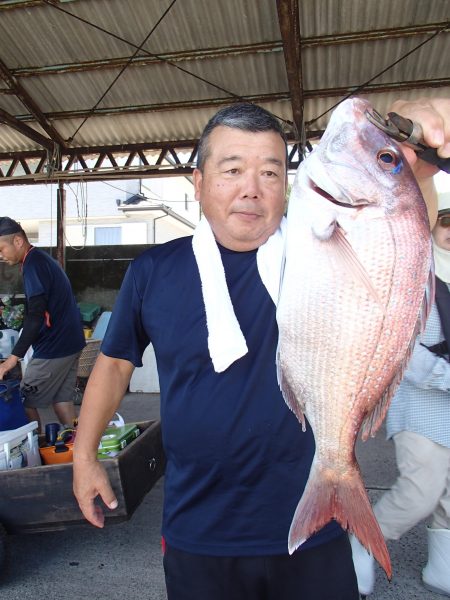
(234,47)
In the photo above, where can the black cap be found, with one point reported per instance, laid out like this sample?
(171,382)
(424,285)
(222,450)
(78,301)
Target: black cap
(9,226)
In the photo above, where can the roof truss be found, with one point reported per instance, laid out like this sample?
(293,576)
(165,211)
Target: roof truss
(108,162)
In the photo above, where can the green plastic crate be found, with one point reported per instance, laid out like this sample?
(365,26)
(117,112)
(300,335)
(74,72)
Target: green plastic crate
(89,311)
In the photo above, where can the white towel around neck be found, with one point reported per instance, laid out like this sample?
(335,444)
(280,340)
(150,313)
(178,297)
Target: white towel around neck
(226,342)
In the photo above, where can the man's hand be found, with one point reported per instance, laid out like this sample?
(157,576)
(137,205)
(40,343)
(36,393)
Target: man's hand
(7,365)
(89,481)
(433,115)
(105,389)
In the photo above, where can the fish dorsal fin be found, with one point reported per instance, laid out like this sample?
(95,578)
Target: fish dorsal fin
(373,421)
(351,263)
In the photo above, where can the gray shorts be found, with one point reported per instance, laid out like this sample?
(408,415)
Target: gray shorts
(49,381)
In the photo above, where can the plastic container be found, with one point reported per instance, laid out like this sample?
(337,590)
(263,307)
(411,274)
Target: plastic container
(50,456)
(88,311)
(19,447)
(116,438)
(101,325)
(12,412)
(8,339)
(88,357)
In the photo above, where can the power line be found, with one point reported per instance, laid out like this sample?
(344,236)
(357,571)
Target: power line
(91,112)
(233,95)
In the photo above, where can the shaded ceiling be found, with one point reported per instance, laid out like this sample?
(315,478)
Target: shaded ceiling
(123,88)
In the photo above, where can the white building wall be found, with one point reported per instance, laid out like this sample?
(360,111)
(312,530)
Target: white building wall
(95,204)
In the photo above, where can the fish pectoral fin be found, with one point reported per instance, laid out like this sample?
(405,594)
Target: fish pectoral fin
(289,397)
(351,263)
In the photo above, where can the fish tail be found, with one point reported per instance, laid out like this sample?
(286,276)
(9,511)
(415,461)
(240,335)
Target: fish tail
(344,499)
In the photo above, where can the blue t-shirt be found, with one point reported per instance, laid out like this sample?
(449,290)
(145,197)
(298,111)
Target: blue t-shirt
(237,459)
(62,333)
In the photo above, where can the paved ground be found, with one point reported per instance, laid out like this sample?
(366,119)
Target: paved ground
(123,561)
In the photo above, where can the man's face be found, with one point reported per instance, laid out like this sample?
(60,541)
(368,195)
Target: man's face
(11,250)
(242,187)
(441,232)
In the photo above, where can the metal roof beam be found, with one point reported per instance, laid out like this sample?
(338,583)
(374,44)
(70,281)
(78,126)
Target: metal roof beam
(21,4)
(30,104)
(25,130)
(164,106)
(148,59)
(288,18)
(117,149)
(372,88)
(220,52)
(79,164)
(352,37)
(379,88)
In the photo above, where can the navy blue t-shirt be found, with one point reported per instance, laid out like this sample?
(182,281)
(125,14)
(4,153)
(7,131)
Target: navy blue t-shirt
(62,334)
(237,459)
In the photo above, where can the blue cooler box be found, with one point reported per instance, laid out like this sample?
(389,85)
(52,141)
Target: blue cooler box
(12,412)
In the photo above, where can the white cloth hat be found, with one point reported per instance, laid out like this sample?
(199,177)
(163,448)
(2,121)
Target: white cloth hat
(444,203)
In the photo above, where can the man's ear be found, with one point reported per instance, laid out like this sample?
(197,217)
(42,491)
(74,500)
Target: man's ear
(198,181)
(18,241)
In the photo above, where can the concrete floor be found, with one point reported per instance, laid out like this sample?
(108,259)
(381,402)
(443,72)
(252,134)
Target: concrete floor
(123,561)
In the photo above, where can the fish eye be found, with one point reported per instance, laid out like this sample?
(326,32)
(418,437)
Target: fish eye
(389,160)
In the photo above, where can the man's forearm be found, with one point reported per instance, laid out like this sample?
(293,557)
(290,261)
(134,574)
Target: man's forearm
(32,324)
(8,364)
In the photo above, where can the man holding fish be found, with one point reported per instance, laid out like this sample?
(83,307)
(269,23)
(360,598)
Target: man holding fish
(237,460)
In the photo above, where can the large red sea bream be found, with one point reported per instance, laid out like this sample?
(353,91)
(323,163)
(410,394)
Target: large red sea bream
(352,300)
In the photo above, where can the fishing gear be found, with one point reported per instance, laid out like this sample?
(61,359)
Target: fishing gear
(410,133)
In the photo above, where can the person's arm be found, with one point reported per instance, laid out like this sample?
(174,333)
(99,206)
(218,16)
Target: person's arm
(32,324)
(428,371)
(105,389)
(433,114)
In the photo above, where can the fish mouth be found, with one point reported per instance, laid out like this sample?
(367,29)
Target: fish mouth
(327,196)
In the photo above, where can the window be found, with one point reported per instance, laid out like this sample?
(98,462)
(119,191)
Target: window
(107,236)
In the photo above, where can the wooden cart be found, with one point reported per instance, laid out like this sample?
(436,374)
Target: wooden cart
(37,499)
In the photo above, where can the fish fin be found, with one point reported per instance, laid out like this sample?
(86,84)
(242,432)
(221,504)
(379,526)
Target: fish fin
(345,500)
(289,396)
(351,263)
(428,299)
(373,420)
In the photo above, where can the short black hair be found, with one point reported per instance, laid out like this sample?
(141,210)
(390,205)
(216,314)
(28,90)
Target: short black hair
(244,116)
(9,226)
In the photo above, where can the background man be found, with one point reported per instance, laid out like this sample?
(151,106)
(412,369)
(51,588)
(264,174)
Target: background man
(52,326)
